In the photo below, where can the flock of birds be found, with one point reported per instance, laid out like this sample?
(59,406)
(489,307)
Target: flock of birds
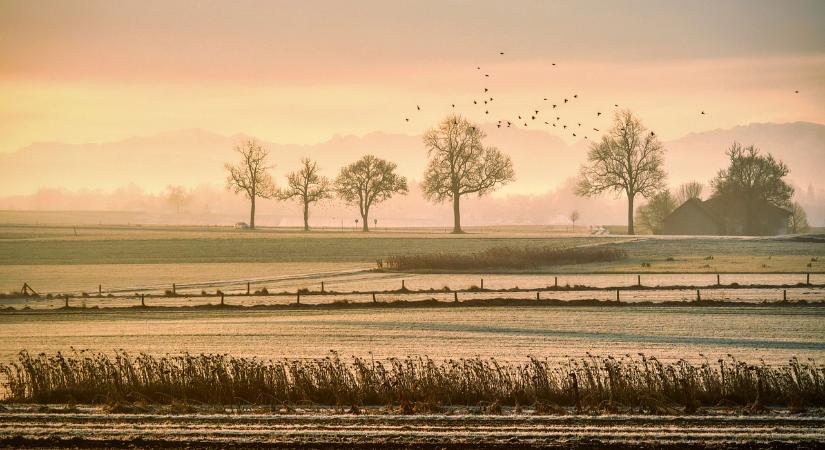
(532,116)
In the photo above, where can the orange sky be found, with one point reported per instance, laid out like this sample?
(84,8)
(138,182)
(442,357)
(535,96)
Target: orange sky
(301,72)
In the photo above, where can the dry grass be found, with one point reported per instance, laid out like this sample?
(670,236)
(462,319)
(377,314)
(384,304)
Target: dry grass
(504,258)
(591,384)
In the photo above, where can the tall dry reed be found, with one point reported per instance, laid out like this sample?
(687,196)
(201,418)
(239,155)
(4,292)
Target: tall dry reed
(589,383)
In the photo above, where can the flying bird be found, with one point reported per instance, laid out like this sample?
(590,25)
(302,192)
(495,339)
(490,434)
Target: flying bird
(703,113)
(533,117)
(486,74)
(537,111)
(486,112)
(595,129)
(795,92)
(565,100)
(419,108)
(575,95)
(554,106)
(574,134)
(407,119)
(599,114)
(485,89)
(500,53)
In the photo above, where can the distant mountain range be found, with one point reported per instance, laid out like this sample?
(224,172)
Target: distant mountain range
(542,160)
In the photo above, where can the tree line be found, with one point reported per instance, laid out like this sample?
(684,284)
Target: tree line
(628,159)
(459,165)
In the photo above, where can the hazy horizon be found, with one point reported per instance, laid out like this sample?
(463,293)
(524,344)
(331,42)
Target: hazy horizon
(92,86)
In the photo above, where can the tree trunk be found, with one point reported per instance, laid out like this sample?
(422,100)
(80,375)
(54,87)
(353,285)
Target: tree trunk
(365,226)
(456,214)
(252,214)
(306,216)
(630,229)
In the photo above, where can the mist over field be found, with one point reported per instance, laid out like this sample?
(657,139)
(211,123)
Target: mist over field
(543,192)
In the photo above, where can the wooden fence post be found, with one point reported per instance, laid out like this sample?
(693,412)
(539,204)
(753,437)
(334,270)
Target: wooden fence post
(808,279)
(174,289)
(538,295)
(142,300)
(638,280)
(482,283)
(717,280)
(784,295)
(67,300)
(373,297)
(221,298)
(322,286)
(698,296)
(247,288)
(555,281)
(617,295)
(455,296)
(100,290)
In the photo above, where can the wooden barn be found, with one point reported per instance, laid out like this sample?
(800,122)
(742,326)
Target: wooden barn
(724,215)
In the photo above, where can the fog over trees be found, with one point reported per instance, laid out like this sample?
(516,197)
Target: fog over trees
(461,165)
(369,181)
(251,175)
(308,186)
(628,159)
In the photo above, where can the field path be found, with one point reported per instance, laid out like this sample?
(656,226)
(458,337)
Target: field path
(95,428)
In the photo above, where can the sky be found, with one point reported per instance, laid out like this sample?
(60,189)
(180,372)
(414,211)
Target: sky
(303,72)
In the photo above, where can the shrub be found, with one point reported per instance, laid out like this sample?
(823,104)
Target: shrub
(505,257)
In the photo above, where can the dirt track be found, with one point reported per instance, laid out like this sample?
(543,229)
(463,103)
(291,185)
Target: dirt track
(93,428)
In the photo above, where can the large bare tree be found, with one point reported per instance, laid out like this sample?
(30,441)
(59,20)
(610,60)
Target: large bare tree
(306,185)
(628,160)
(368,181)
(251,175)
(460,164)
(754,180)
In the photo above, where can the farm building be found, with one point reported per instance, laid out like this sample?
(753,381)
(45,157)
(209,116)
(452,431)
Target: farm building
(724,215)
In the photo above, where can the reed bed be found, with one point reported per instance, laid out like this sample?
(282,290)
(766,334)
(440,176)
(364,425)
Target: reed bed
(504,258)
(588,384)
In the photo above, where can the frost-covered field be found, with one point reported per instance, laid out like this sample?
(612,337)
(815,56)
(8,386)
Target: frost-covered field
(508,333)
(460,428)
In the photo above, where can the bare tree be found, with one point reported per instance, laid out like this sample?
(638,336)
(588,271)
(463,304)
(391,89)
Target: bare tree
(574,216)
(460,164)
(306,185)
(177,197)
(689,190)
(251,175)
(628,159)
(368,181)
(798,219)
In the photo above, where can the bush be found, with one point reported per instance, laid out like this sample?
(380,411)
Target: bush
(505,258)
